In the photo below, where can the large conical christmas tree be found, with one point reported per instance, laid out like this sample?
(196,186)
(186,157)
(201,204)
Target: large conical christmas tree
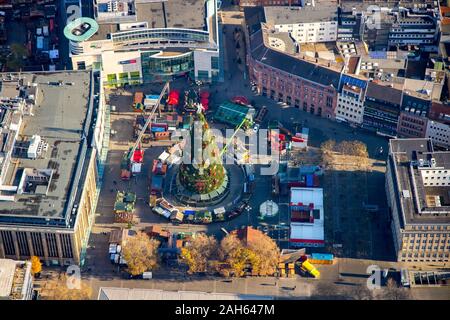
(205,172)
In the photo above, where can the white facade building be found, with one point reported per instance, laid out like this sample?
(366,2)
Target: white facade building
(439,133)
(305,25)
(176,39)
(310,32)
(350,105)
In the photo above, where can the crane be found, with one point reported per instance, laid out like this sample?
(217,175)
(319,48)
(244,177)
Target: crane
(149,119)
(224,149)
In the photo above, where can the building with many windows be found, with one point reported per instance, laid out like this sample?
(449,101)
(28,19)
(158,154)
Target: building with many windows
(384,23)
(307,24)
(438,127)
(350,102)
(382,108)
(52,164)
(417,184)
(152,41)
(283,77)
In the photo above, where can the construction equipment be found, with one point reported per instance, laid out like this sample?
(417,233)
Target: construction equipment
(133,159)
(308,267)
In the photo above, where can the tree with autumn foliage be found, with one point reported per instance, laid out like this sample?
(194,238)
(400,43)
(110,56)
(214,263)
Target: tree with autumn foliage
(267,254)
(36,265)
(199,253)
(140,253)
(260,253)
(66,288)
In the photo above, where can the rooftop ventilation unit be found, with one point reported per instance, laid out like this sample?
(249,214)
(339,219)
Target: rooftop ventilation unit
(433,162)
(33,149)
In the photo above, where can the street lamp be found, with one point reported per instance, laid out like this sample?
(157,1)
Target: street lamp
(248,208)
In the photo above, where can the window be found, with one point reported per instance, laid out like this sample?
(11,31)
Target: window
(203,75)
(214,62)
(81,65)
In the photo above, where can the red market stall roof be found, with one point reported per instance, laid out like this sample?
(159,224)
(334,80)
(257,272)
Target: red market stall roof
(240,100)
(138,156)
(174,94)
(174,97)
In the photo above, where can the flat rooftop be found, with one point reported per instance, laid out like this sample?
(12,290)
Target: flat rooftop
(296,15)
(188,14)
(361,5)
(405,158)
(59,118)
(7,270)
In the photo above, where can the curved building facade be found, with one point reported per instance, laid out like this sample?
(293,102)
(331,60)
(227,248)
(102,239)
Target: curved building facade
(176,39)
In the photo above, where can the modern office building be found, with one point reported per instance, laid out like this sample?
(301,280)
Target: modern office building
(307,24)
(55,137)
(439,133)
(410,28)
(391,23)
(382,108)
(438,127)
(417,99)
(16,281)
(136,41)
(417,188)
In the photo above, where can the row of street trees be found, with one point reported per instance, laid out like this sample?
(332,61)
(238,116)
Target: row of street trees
(232,256)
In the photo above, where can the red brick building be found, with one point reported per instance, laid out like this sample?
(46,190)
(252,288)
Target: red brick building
(285,78)
(411,125)
(439,112)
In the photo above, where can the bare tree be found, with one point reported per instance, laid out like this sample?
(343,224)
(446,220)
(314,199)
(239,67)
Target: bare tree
(360,292)
(393,292)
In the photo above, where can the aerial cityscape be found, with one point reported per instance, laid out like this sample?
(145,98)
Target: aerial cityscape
(225,150)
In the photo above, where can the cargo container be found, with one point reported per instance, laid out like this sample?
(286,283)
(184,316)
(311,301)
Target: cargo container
(164,126)
(309,180)
(322,256)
